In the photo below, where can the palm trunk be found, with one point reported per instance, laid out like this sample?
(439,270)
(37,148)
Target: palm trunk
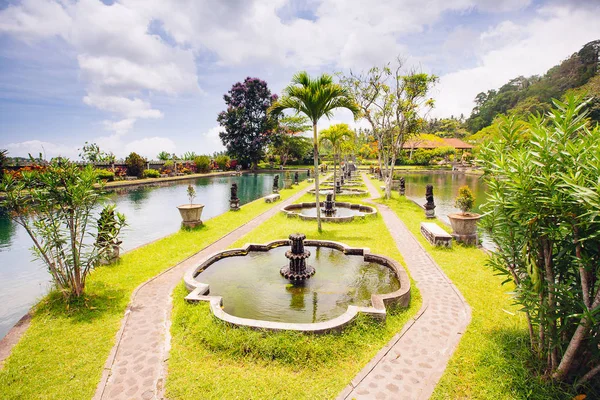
(316,159)
(334,174)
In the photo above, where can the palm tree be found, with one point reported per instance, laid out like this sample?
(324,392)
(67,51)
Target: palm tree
(336,135)
(315,98)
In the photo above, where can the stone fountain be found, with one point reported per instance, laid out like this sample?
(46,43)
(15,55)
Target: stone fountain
(329,209)
(297,270)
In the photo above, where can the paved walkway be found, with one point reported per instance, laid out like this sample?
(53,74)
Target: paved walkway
(135,368)
(411,364)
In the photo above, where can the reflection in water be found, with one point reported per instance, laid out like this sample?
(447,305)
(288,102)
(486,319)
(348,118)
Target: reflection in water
(252,287)
(151,214)
(7,231)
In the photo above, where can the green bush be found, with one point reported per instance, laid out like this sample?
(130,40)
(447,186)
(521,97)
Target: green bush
(202,164)
(151,173)
(465,199)
(103,174)
(135,165)
(223,162)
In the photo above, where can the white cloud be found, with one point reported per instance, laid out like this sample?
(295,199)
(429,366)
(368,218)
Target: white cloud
(150,147)
(35,147)
(35,19)
(553,35)
(210,142)
(130,108)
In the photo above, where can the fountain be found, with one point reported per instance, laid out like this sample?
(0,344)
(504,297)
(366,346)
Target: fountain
(297,270)
(338,187)
(276,184)
(234,201)
(243,287)
(329,209)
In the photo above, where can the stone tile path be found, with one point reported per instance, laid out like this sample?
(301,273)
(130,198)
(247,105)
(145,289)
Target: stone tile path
(135,368)
(411,364)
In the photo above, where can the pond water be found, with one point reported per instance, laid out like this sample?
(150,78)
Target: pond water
(151,214)
(252,287)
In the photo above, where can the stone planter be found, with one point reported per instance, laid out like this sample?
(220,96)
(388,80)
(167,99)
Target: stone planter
(287,183)
(464,227)
(191,213)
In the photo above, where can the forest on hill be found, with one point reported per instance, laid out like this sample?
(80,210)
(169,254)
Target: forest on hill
(524,96)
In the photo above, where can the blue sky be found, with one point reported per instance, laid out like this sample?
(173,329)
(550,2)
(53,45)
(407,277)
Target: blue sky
(149,75)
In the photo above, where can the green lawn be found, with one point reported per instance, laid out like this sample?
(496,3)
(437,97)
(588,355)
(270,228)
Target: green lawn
(62,354)
(211,360)
(492,360)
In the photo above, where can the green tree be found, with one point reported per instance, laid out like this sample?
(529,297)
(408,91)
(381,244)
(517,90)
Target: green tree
(542,214)
(314,98)
(248,127)
(55,204)
(337,135)
(136,165)
(164,156)
(287,143)
(90,152)
(3,161)
(202,164)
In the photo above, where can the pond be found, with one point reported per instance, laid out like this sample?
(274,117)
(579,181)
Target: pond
(151,214)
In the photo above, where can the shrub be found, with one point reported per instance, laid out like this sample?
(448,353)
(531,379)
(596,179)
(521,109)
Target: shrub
(151,173)
(543,207)
(203,164)
(464,200)
(135,165)
(105,175)
(223,162)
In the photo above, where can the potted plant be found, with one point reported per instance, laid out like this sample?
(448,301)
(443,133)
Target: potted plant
(108,243)
(464,224)
(191,213)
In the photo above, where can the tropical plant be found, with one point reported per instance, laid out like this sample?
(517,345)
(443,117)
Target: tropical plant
(110,224)
(104,174)
(543,213)
(189,156)
(191,193)
(164,156)
(135,165)
(314,98)
(55,205)
(151,173)
(248,128)
(91,152)
(465,199)
(202,164)
(336,135)
(223,162)
(3,161)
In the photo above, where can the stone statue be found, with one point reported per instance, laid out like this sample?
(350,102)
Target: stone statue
(276,184)
(296,178)
(430,205)
(402,189)
(308,172)
(234,202)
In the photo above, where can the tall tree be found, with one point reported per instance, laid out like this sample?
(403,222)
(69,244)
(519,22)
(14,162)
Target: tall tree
(248,127)
(391,101)
(314,98)
(336,135)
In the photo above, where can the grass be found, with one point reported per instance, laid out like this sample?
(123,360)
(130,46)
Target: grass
(492,360)
(211,360)
(62,354)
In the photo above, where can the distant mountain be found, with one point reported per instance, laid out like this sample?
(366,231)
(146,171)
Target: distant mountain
(580,73)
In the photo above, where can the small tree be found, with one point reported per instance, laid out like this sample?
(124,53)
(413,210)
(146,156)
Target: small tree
(55,205)
(223,161)
(164,156)
(136,165)
(336,135)
(91,152)
(191,193)
(248,128)
(543,214)
(465,199)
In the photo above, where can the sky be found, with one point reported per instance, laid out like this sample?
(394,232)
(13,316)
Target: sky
(149,75)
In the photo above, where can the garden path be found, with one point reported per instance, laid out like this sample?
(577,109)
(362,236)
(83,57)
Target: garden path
(136,367)
(412,363)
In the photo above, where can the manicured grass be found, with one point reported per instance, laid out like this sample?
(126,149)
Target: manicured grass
(211,360)
(493,359)
(62,354)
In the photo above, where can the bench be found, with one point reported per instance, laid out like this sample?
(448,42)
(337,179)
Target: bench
(436,235)
(272,197)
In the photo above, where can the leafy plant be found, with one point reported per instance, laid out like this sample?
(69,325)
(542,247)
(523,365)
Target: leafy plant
(191,193)
(151,173)
(104,174)
(135,165)
(110,224)
(543,208)
(3,161)
(164,156)
(202,164)
(189,155)
(222,161)
(55,205)
(465,199)
(91,152)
